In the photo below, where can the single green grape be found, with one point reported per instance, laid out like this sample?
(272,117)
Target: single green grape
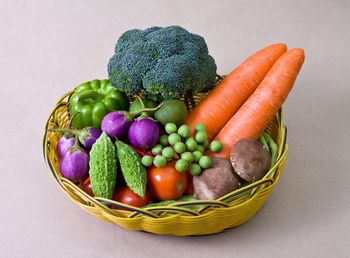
(187,156)
(200,148)
(163,140)
(174,138)
(180,147)
(159,161)
(170,128)
(205,162)
(147,161)
(201,136)
(168,152)
(157,149)
(181,165)
(215,146)
(199,127)
(191,144)
(184,131)
(195,169)
(197,155)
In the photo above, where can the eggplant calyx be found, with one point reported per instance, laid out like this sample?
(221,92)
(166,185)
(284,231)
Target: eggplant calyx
(145,117)
(76,146)
(83,134)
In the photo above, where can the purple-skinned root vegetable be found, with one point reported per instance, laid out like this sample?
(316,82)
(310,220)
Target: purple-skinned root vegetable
(117,123)
(64,144)
(74,165)
(143,133)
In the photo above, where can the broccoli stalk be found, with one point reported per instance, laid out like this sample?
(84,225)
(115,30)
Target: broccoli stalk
(163,62)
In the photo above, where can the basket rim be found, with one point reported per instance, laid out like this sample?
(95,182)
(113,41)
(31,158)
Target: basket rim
(179,207)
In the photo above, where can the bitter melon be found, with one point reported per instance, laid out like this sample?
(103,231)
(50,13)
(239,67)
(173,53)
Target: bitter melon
(134,173)
(103,167)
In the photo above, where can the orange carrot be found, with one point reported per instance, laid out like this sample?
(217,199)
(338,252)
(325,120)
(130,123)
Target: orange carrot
(228,96)
(256,113)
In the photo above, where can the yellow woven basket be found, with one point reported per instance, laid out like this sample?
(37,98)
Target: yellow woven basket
(185,218)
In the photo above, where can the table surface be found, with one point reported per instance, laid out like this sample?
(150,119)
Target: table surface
(48,47)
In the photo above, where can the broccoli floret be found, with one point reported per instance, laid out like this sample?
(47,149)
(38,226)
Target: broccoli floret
(163,62)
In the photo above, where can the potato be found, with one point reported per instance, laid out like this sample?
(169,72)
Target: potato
(216,181)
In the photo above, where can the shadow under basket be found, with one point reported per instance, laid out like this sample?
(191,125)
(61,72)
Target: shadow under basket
(202,217)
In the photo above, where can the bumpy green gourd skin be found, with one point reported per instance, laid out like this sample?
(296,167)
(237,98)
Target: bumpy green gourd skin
(103,167)
(134,173)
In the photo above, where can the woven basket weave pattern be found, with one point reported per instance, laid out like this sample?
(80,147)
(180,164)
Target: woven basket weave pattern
(188,218)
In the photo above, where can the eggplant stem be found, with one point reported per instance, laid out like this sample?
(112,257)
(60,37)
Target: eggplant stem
(142,104)
(76,143)
(134,113)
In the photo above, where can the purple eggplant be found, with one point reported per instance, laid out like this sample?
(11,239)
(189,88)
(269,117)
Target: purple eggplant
(143,133)
(74,165)
(88,136)
(64,144)
(116,123)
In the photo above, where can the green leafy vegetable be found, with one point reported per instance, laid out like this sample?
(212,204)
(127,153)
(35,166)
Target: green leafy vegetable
(273,148)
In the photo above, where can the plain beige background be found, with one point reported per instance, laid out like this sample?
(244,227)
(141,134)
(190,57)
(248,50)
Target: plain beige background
(48,47)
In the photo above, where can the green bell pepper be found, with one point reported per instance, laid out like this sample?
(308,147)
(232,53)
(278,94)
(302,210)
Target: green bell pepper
(92,100)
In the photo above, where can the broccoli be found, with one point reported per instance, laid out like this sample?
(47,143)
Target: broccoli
(164,63)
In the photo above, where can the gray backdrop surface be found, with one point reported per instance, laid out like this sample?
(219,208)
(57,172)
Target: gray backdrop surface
(48,47)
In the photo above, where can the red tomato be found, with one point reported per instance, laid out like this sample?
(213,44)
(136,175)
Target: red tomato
(87,187)
(189,189)
(166,183)
(125,195)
